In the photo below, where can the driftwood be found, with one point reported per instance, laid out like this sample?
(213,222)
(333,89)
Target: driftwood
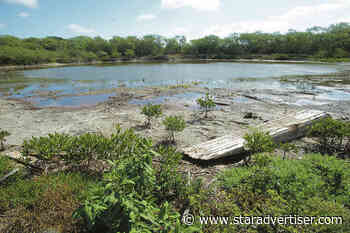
(284,129)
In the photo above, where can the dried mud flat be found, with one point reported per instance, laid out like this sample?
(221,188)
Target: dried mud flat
(24,121)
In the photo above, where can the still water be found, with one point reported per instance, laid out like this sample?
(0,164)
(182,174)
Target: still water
(78,79)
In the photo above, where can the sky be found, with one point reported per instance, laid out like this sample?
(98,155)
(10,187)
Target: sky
(192,18)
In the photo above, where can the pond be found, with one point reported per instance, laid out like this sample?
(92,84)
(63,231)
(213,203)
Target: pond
(65,81)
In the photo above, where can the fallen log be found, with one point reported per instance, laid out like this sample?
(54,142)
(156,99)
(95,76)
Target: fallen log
(282,130)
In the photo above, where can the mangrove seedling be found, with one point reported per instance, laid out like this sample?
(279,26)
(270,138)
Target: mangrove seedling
(151,111)
(3,135)
(206,103)
(174,124)
(287,147)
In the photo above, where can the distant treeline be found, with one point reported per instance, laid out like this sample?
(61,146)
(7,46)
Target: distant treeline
(315,43)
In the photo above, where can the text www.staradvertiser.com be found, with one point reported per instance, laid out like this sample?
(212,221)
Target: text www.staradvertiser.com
(189,219)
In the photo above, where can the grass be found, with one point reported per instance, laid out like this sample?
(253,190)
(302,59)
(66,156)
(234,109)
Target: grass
(44,202)
(5,165)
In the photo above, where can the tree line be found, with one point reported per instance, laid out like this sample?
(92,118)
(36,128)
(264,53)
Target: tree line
(316,43)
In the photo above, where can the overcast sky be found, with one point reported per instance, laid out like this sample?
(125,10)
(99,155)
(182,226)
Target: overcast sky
(192,18)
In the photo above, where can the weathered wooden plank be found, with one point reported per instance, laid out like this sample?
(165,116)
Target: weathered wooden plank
(284,129)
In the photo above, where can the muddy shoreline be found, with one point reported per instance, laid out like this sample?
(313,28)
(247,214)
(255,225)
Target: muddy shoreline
(24,120)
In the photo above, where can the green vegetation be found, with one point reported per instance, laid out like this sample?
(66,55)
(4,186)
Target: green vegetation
(314,186)
(84,149)
(206,103)
(151,111)
(45,202)
(258,141)
(287,147)
(177,86)
(174,124)
(317,43)
(5,166)
(143,188)
(332,135)
(130,201)
(3,135)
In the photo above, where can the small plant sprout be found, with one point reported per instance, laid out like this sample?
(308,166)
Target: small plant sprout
(206,103)
(151,111)
(3,135)
(288,147)
(174,124)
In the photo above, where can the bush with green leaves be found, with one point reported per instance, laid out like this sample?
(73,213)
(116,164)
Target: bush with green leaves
(258,141)
(174,124)
(206,103)
(287,147)
(82,149)
(3,135)
(126,201)
(314,186)
(172,184)
(151,112)
(331,134)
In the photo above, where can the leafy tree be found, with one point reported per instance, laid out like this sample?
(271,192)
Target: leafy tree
(151,111)
(129,53)
(206,103)
(174,124)
(332,43)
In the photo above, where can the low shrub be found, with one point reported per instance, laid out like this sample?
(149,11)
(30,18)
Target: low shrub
(174,124)
(258,141)
(126,201)
(206,103)
(83,149)
(151,112)
(314,186)
(331,135)
(288,147)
